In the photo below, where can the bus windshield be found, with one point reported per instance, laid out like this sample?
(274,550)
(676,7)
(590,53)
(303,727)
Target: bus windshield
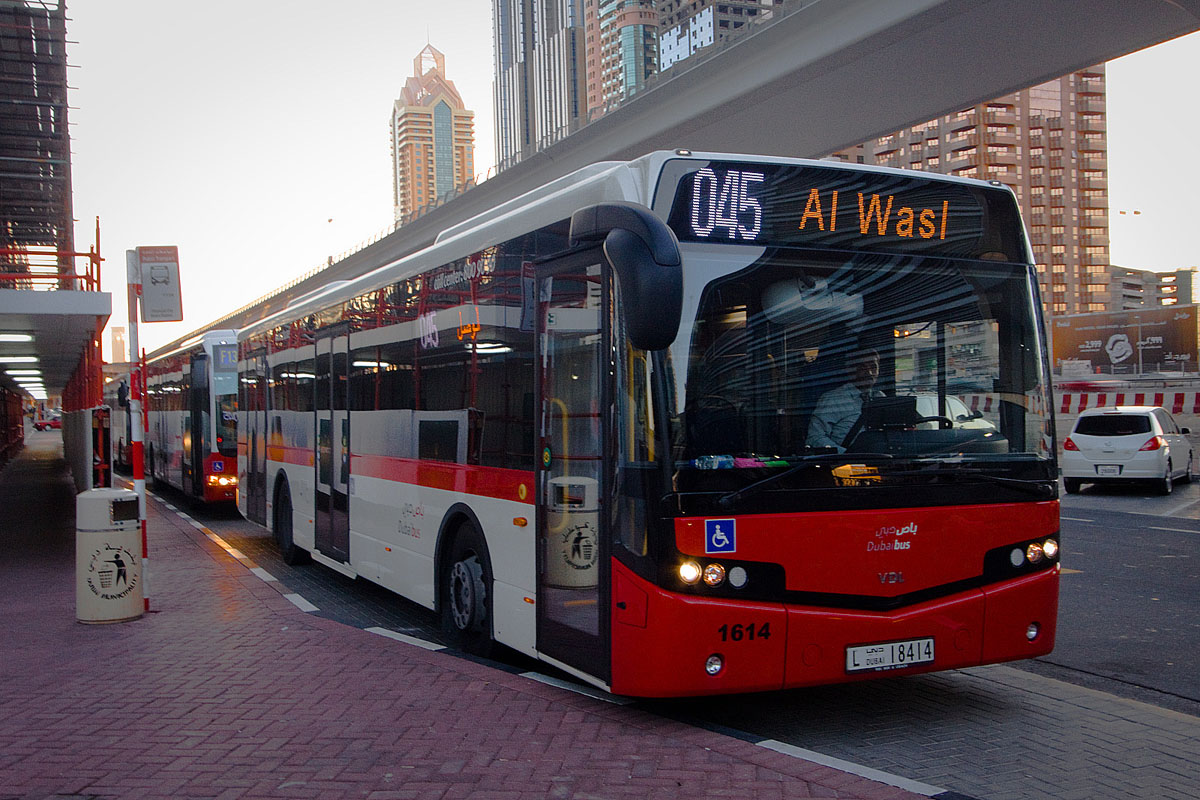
(855,370)
(225,391)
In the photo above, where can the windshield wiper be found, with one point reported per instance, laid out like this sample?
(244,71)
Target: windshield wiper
(1038,488)
(1042,488)
(727,501)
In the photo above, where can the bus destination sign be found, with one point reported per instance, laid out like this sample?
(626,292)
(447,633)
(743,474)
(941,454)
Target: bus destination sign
(771,204)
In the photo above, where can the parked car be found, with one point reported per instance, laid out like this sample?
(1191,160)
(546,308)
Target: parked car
(956,411)
(1122,444)
(48,424)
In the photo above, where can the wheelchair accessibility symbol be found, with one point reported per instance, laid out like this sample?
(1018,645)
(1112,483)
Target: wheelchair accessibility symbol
(720,536)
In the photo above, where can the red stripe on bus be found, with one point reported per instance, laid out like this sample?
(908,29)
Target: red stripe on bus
(504,484)
(300,456)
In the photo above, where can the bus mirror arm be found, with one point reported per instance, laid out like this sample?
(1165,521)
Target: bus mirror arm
(644,253)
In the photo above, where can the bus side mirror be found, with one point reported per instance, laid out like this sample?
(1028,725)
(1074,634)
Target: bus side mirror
(645,255)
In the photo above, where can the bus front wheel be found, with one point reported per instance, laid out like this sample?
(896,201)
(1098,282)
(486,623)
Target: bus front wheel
(466,594)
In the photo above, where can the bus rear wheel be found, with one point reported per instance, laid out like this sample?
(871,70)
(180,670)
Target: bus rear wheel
(291,553)
(466,594)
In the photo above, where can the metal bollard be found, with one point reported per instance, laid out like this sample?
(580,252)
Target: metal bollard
(108,556)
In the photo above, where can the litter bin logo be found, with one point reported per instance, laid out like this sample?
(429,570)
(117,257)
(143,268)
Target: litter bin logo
(111,575)
(579,546)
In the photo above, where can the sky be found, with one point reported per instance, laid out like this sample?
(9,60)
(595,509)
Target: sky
(253,135)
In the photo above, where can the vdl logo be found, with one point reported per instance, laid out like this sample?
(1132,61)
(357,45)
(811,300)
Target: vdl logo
(720,536)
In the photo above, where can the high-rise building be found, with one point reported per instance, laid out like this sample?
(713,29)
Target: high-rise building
(688,26)
(539,88)
(622,50)
(119,349)
(433,137)
(1138,288)
(1048,143)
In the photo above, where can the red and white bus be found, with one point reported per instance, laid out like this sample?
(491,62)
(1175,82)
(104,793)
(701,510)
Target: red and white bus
(191,428)
(585,425)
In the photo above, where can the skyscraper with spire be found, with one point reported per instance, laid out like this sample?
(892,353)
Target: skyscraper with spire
(433,137)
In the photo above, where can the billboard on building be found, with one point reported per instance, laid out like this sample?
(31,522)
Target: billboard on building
(1144,340)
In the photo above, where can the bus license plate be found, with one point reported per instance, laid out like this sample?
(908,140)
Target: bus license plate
(1108,470)
(889,655)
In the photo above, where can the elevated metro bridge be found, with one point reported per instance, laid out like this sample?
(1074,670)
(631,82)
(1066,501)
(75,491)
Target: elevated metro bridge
(818,76)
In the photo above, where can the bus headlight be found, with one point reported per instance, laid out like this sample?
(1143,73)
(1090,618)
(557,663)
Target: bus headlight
(689,572)
(1050,548)
(1034,553)
(222,480)
(714,574)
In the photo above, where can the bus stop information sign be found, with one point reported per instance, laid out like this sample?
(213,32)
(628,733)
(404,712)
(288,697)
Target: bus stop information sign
(162,298)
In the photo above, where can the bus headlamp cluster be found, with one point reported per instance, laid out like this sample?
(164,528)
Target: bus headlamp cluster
(713,574)
(222,480)
(1034,553)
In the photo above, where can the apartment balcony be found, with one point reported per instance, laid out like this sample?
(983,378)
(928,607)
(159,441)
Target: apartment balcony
(1001,117)
(1093,163)
(1094,240)
(1002,137)
(954,162)
(1094,202)
(885,150)
(1092,123)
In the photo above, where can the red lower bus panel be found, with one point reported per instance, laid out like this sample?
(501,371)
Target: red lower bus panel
(220,466)
(660,642)
(1010,610)
(819,637)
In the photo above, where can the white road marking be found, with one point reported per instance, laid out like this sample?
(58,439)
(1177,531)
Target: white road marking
(266,576)
(1173,530)
(578,688)
(899,782)
(300,603)
(401,637)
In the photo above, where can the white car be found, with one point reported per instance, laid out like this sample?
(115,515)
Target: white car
(956,411)
(1125,444)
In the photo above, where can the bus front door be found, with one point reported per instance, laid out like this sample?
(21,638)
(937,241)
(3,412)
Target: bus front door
(254,478)
(333,447)
(572,604)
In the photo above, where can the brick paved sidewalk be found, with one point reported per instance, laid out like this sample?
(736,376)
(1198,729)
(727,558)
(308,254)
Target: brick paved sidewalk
(227,690)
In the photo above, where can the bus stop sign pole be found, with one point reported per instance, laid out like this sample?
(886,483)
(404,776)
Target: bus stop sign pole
(137,382)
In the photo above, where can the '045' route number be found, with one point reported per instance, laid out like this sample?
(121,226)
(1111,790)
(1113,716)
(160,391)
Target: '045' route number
(744,633)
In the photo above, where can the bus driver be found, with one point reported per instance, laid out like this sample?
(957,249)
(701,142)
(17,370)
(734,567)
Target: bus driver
(838,409)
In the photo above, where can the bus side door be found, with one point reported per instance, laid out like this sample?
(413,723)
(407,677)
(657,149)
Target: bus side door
(333,445)
(573,381)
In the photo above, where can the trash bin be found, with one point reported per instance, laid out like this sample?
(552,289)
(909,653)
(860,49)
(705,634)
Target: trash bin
(572,523)
(108,556)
